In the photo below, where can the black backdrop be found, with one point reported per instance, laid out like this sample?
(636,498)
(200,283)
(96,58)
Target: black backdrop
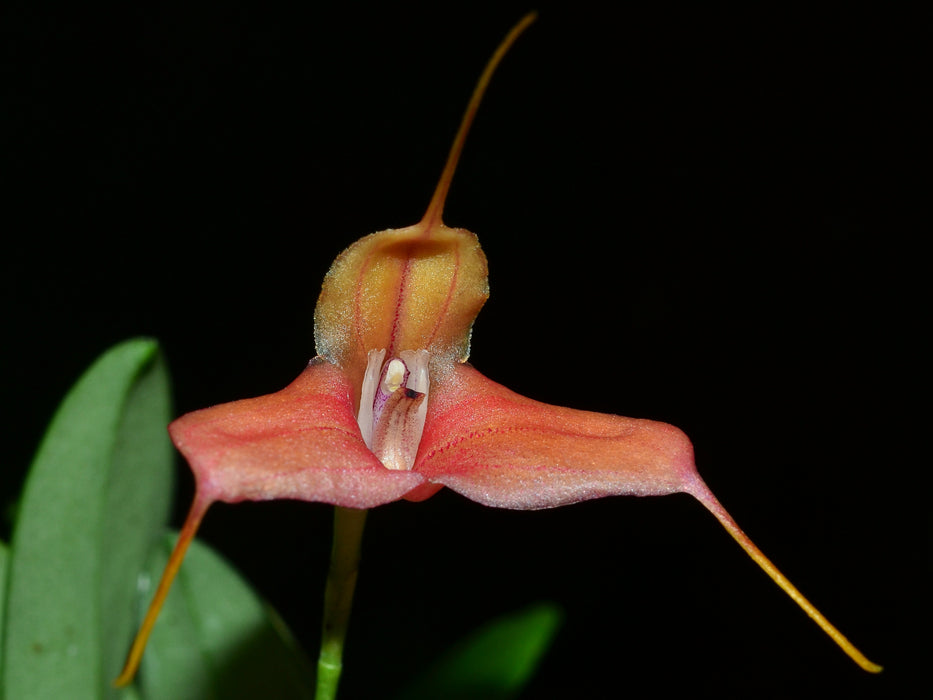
(690,215)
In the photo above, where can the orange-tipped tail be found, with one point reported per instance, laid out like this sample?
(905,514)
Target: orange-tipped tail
(701,492)
(435,209)
(198,508)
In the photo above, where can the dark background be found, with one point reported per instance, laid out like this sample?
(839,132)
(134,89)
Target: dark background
(691,215)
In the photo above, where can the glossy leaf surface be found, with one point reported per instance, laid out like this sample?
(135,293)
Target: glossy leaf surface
(495,662)
(216,638)
(97,494)
(4,568)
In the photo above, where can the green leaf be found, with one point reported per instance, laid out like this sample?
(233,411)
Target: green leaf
(216,639)
(97,495)
(4,568)
(495,661)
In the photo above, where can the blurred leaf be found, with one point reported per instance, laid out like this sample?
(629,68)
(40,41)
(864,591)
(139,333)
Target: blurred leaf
(4,568)
(97,495)
(216,639)
(494,662)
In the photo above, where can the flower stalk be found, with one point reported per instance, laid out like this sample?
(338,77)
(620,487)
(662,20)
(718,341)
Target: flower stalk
(338,598)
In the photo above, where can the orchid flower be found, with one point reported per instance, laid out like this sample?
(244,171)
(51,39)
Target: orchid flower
(390,409)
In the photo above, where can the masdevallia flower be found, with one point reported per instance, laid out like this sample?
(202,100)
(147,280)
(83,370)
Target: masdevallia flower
(390,409)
